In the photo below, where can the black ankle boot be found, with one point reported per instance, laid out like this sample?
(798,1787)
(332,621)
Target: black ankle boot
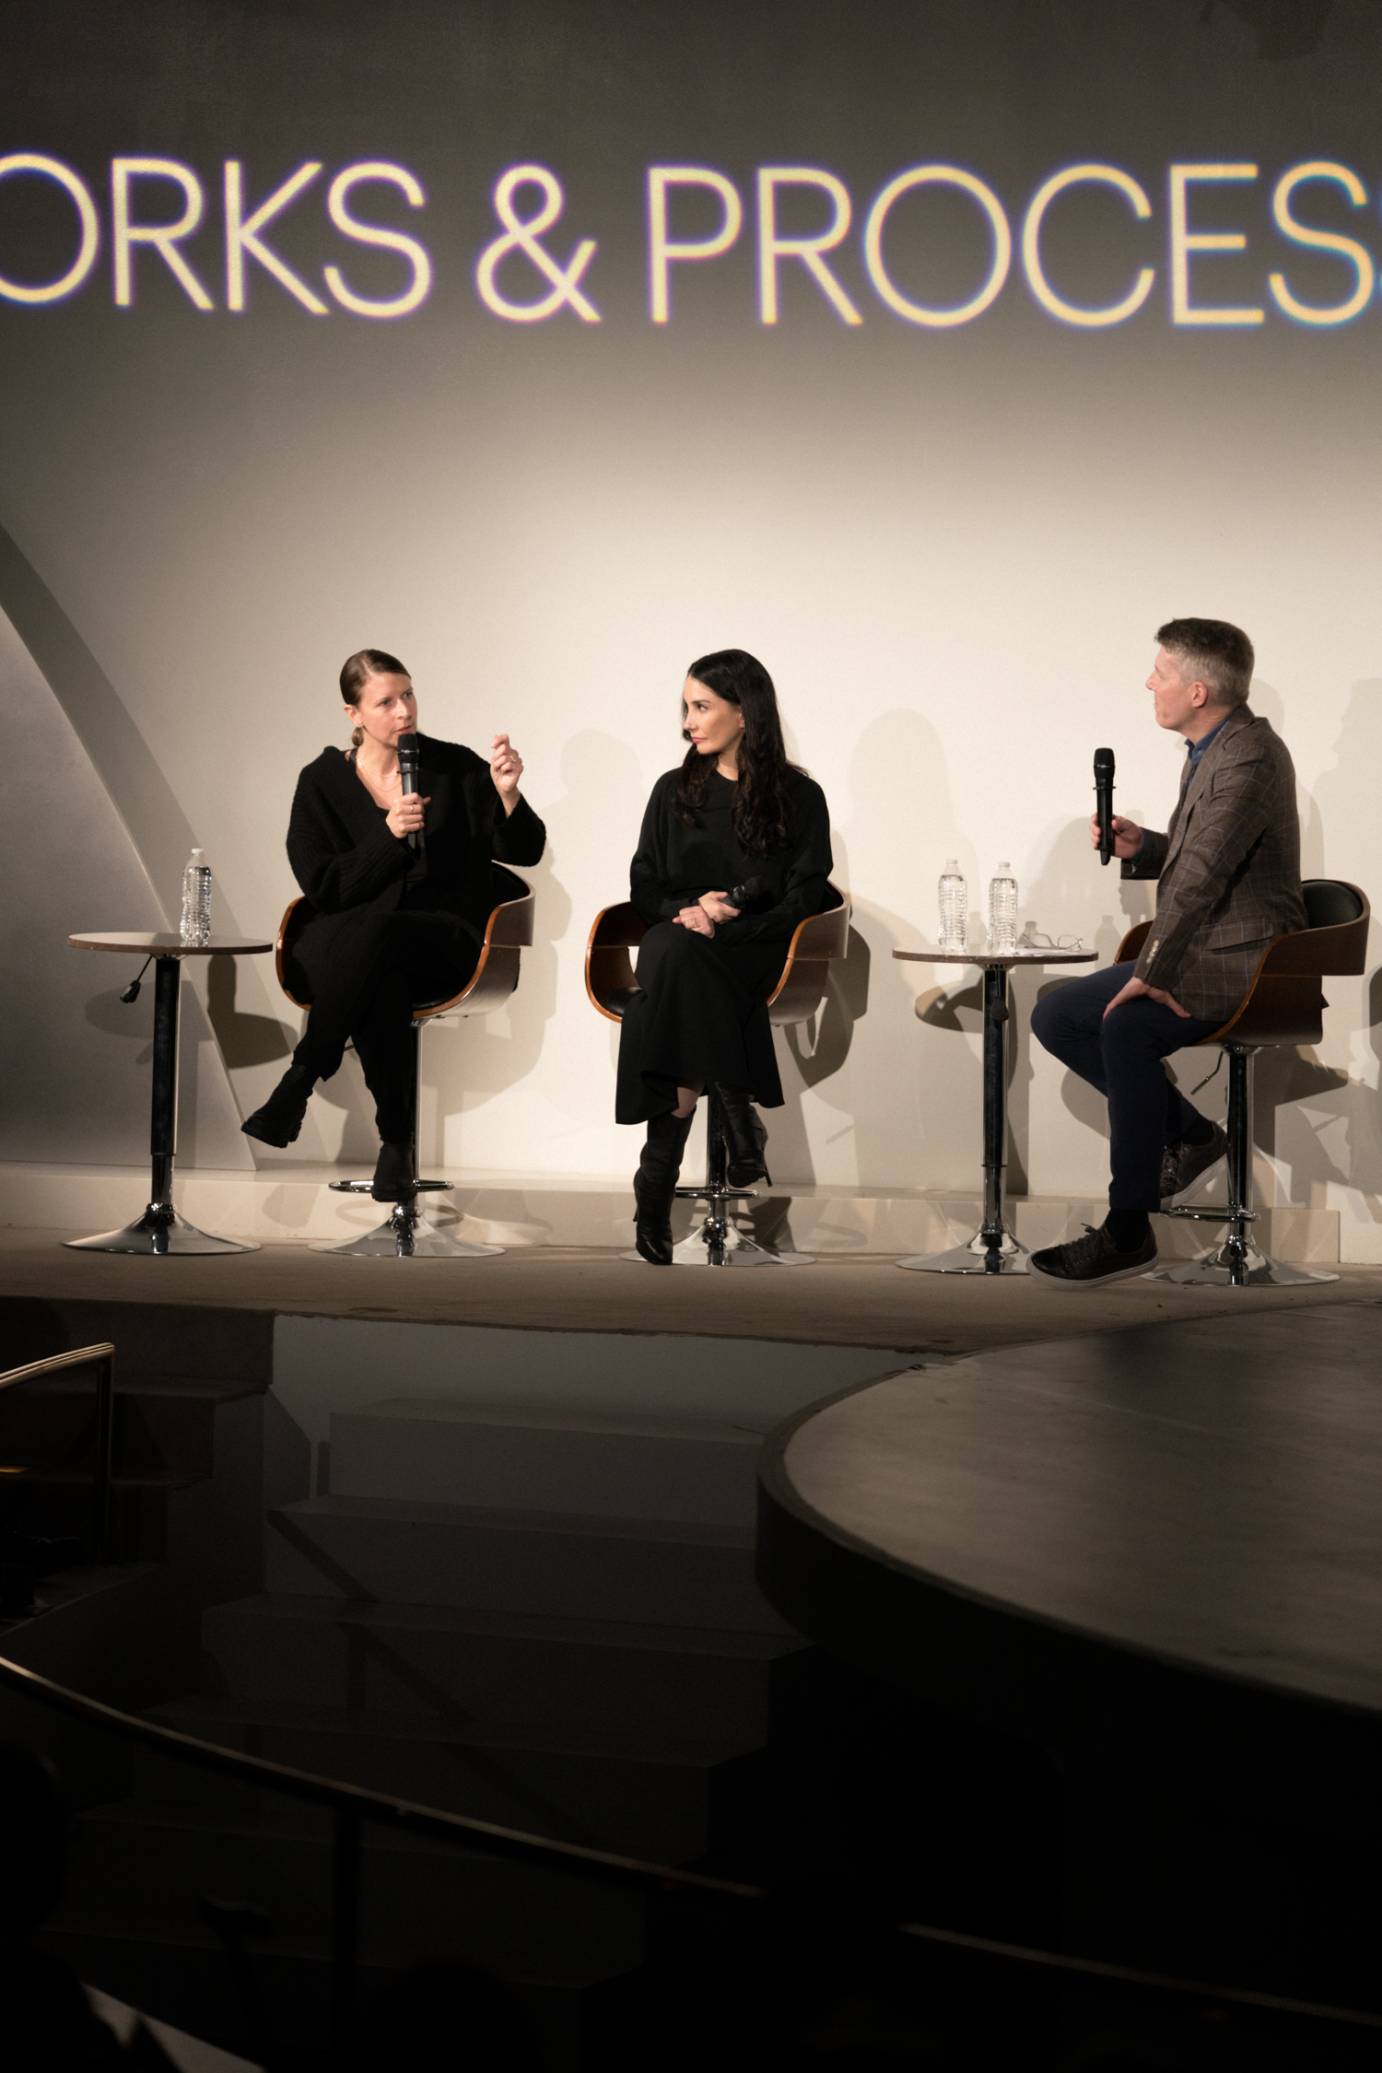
(653,1186)
(280,1119)
(744,1128)
(394,1179)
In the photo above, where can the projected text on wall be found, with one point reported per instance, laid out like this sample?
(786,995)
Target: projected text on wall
(858,261)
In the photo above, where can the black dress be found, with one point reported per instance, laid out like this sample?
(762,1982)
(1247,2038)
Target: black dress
(390,927)
(701,1013)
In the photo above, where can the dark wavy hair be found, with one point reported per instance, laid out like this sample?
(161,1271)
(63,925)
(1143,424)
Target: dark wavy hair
(760,796)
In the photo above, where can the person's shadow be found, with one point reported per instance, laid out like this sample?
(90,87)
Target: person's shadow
(1320,1120)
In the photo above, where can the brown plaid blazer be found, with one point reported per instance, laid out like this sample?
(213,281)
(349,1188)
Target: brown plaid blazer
(1228,870)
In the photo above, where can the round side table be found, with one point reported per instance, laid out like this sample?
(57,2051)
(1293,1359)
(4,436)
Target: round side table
(992,1249)
(160,1230)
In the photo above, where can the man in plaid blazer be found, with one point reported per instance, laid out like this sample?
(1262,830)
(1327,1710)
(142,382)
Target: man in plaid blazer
(1228,872)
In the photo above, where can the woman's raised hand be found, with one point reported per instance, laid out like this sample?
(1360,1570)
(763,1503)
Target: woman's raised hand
(506,768)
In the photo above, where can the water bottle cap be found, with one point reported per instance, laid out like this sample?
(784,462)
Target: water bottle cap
(197,855)
(952,864)
(1003,870)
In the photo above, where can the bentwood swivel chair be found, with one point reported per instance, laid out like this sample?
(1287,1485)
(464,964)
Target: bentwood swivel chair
(406,1234)
(610,983)
(1283,1006)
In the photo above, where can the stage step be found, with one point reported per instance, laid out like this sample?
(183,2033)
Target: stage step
(442,1663)
(558,1564)
(431,1450)
(647,1799)
(416,1895)
(159,1426)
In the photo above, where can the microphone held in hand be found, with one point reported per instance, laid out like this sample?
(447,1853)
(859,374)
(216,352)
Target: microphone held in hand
(407,770)
(1103,801)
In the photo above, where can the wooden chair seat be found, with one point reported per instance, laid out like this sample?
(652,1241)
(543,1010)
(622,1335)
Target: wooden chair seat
(1284,1005)
(508,931)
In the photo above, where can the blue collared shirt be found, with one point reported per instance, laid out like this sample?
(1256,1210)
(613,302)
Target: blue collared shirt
(1197,748)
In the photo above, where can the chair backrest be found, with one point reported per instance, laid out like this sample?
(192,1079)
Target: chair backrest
(806,973)
(1283,1005)
(617,931)
(508,931)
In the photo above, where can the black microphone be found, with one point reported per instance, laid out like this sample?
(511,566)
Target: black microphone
(1103,801)
(407,770)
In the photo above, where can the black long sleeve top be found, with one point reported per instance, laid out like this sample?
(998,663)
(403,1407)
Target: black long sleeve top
(676,863)
(345,856)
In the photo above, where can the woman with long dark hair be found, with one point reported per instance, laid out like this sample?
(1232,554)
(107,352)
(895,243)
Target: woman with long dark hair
(400,886)
(734,852)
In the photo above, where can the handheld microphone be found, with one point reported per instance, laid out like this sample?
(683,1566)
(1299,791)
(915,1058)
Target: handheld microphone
(745,895)
(1103,801)
(407,770)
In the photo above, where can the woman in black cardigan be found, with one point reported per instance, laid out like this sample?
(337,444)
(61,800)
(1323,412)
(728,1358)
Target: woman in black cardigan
(400,886)
(734,852)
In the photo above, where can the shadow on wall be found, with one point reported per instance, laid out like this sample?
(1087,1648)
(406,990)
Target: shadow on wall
(1323,1121)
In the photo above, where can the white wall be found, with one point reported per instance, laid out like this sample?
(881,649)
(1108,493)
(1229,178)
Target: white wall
(951,548)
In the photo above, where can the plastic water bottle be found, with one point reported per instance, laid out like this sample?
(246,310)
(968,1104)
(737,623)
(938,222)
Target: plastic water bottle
(954,902)
(1003,909)
(194,926)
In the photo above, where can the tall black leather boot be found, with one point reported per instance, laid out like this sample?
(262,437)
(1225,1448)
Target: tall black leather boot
(747,1136)
(653,1184)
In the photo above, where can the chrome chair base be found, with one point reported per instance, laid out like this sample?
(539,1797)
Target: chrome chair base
(405,1234)
(720,1242)
(1238,1263)
(976,1256)
(159,1233)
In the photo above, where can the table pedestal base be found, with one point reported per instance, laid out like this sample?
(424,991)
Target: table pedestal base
(978,1256)
(405,1233)
(160,1231)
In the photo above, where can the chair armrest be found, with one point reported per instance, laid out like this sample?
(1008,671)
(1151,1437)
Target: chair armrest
(1131,945)
(609,978)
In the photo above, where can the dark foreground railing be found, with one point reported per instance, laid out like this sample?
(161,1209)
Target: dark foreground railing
(351,1807)
(102,1358)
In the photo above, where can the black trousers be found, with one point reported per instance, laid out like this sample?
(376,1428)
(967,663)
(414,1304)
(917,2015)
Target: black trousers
(700,1014)
(366,972)
(1122,1056)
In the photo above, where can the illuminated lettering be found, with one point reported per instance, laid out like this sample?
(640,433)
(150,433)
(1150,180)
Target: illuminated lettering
(1356,255)
(88,222)
(938,176)
(337,202)
(663,251)
(1056,305)
(523,234)
(242,237)
(772,246)
(1184,241)
(163,237)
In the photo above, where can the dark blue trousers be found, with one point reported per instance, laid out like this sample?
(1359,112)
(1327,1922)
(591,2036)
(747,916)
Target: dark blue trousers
(1121,1056)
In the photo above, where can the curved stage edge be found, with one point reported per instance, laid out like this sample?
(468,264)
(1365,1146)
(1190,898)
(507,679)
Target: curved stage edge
(1153,1553)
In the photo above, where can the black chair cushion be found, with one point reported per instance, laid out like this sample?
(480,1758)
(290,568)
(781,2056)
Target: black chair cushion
(1327,903)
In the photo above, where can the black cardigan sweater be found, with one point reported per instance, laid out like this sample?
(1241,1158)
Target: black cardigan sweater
(676,863)
(345,856)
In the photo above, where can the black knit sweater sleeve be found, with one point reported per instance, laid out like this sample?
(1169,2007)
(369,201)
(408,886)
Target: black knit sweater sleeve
(519,837)
(334,868)
(650,874)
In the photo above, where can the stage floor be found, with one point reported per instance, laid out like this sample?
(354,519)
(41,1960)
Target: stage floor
(849,1300)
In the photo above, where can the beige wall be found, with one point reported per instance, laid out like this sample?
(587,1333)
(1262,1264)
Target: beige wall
(951,549)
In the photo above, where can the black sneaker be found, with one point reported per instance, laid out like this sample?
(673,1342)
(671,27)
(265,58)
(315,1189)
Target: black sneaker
(1091,1260)
(1182,1163)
